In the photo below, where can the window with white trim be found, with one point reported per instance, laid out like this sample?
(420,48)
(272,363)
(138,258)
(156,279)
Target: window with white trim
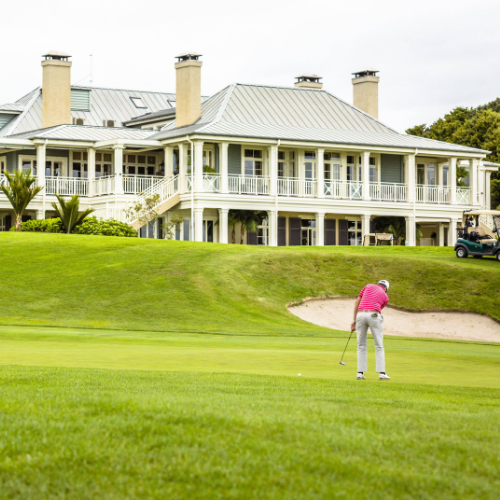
(354,233)
(310,165)
(253,162)
(263,233)
(103,165)
(373,169)
(79,165)
(138,102)
(332,167)
(3,164)
(137,164)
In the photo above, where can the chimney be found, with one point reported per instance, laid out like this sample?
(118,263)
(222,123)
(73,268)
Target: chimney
(56,89)
(188,89)
(308,82)
(365,91)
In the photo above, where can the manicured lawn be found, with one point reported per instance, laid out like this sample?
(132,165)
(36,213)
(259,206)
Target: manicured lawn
(103,282)
(108,434)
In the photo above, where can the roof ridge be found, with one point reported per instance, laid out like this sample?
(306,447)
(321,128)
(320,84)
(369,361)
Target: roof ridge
(11,126)
(121,90)
(223,106)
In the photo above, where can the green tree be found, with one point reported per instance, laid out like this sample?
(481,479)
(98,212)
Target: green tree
(20,190)
(396,226)
(68,212)
(250,220)
(144,210)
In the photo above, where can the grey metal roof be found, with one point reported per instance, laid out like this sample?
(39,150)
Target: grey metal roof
(490,164)
(85,133)
(11,108)
(300,114)
(105,104)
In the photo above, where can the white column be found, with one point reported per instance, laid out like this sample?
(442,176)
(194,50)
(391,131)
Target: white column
(223,166)
(91,170)
(272,217)
(182,168)
(223,225)
(487,191)
(169,161)
(365,169)
(365,226)
(440,234)
(273,170)
(118,169)
(320,153)
(40,214)
(40,164)
(320,229)
(198,166)
(453,180)
(198,224)
(410,232)
(410,178)
(452,233)
(474,185)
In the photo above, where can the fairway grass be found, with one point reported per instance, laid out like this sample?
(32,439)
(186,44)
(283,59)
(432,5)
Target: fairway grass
(108,434)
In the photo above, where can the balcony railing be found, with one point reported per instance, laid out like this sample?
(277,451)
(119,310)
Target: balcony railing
(292,186)
(432,194)
(104,185)
(463,195)
(211,183)
(343,190)
(255,184)
(66,186)
(133,184)
(382,191)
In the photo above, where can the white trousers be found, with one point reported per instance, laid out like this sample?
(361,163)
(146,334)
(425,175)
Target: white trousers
(363,321)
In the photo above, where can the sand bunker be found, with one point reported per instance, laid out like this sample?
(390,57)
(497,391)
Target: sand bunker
(337,314)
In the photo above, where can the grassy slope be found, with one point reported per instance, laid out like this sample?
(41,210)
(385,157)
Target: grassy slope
(85,434)
(100,282)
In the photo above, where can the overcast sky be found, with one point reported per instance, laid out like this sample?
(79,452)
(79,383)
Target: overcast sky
(432,55)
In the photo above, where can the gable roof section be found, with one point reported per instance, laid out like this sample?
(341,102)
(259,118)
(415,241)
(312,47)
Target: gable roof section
(105,104)
(291,113)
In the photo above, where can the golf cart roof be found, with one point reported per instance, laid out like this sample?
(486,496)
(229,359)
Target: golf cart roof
(482,212)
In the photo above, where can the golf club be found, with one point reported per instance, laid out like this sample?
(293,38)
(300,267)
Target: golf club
(342,358)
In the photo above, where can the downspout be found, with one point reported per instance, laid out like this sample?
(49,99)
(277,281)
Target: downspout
(415,197)
(192,190)
(277,190)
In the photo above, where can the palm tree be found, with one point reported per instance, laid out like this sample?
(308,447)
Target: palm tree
(68,212)
(462,174)
(250,221)
(20,190)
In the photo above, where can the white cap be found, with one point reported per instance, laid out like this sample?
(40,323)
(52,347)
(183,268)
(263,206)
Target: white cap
(384,283)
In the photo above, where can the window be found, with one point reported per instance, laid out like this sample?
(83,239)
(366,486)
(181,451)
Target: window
(446,171)
(208,231)
(80,165)
(138,102)
(308,232)
(431,174)
(420,174)
(354,233)
(103,164)
(253,162)
(28,164)
(53,168)
(140,164)
(108,123)
(332,166)
(310,166)
(3,165)
(263,233)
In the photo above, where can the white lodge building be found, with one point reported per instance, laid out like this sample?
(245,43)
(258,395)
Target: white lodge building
(320,167)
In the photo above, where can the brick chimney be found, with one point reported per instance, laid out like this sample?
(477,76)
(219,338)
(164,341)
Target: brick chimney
(188,89)
(365,91)
(56,89)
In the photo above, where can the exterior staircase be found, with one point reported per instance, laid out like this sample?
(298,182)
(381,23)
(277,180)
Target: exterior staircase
(168,196)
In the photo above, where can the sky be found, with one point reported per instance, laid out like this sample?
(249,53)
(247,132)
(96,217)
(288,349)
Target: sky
(432,55)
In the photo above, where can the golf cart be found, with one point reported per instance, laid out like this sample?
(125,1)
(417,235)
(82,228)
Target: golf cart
(476,238)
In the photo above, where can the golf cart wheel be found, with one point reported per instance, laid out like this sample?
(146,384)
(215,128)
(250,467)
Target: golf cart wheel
(498,256)
(461,253)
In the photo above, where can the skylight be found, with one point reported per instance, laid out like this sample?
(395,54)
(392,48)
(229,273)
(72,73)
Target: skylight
(138,102)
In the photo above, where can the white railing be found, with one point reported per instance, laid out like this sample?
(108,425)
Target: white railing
(133,184)
(66,186)
(432,194)
(292,186)
(463,195)
(3,180)
(382,191)
(104,185)
(165,189)
(255,184)
(343,190)
(109,212)
(211,183)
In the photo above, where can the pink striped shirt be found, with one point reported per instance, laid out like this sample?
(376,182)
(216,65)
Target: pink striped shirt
(373,298)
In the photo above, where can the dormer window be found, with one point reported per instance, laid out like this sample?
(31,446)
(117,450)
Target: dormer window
(138,102)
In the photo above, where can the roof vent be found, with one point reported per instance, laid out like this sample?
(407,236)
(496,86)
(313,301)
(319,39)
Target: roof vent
(365,72)
(309,81)
(188,56)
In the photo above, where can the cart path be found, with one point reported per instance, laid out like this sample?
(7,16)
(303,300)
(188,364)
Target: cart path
(337,314)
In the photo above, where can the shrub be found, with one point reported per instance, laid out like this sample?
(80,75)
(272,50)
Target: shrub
(43,225)
(109,227)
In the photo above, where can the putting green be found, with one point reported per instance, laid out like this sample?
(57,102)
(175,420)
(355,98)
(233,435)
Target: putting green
(408,360)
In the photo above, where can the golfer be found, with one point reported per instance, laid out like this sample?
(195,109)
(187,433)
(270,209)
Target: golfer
(368,313)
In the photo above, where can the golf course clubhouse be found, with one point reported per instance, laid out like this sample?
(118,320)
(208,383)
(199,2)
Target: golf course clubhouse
(319,168)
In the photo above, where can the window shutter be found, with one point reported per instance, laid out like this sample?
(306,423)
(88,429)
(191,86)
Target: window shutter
(330,229)
(295,226)
(281,231)
(343,232)
(186,229)
(251,238)
(372,226)
(159,234)
(80,100)
(8,222)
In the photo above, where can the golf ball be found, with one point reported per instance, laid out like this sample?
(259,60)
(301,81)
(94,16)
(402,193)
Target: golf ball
(299,374)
